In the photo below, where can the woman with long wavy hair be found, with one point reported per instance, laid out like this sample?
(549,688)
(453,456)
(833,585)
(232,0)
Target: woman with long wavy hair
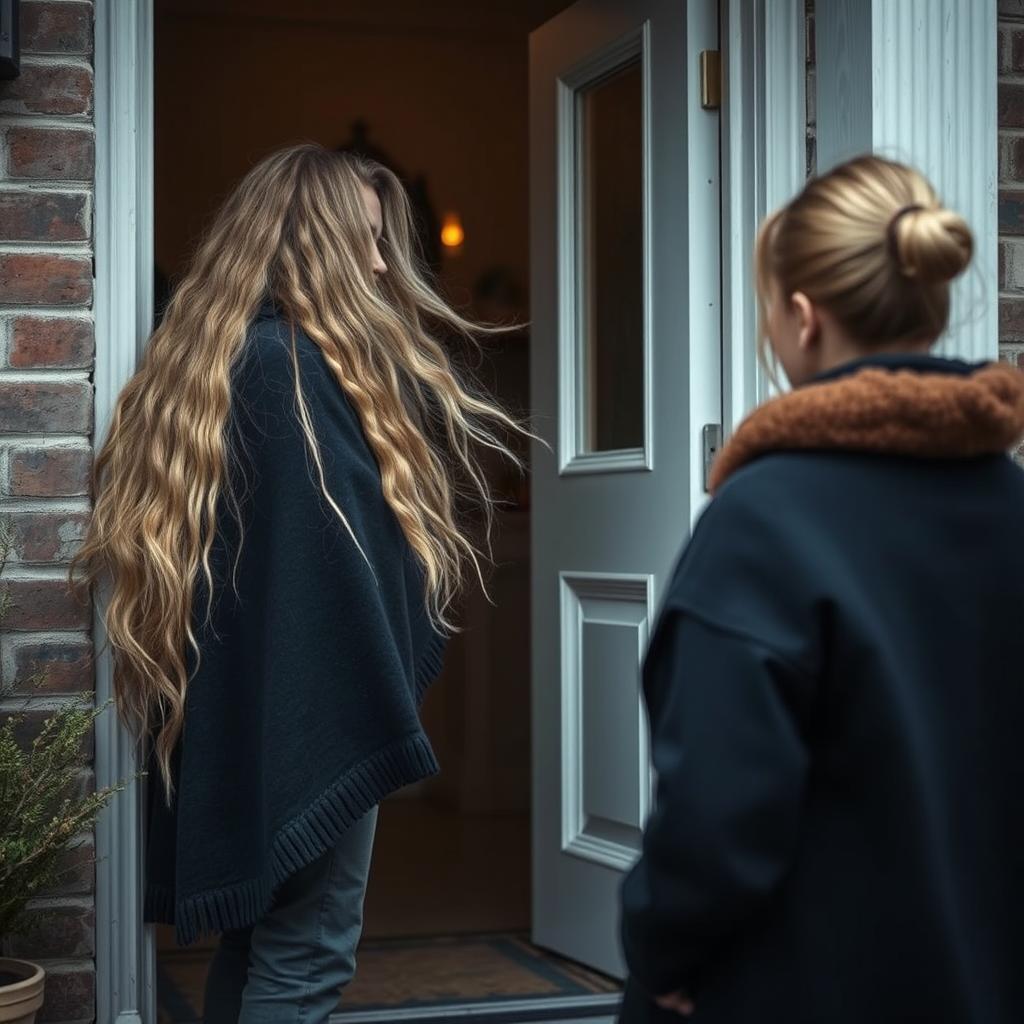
(275,518)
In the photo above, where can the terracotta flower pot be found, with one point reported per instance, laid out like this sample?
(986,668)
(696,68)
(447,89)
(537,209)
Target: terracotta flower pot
(21,991)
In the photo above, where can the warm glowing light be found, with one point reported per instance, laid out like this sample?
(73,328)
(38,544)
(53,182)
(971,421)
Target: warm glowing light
(452,235)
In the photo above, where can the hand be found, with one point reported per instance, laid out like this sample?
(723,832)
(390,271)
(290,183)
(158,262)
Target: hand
(677,1002)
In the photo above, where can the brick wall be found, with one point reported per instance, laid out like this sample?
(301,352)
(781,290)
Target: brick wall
(46,411)
(1011,179)
(810,85)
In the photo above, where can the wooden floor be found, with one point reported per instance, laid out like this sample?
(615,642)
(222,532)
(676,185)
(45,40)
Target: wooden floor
(436,872)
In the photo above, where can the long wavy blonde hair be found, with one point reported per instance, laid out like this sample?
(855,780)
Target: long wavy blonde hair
(296,229)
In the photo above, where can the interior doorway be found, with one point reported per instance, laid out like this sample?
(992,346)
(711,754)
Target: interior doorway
(438,92)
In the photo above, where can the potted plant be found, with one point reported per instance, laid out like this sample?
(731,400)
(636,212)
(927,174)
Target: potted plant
(43,812)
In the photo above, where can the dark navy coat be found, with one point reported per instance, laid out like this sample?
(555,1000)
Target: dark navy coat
(302,711)
(836,692)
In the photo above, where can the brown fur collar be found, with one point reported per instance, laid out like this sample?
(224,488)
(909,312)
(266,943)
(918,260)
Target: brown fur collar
(896,412)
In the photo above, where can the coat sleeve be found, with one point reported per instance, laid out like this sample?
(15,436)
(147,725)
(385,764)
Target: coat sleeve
(727,717)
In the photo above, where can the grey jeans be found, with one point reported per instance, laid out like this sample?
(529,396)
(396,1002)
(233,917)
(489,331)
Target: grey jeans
(290,967)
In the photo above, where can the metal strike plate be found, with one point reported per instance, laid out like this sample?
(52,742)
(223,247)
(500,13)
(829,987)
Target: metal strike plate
(710,79)
(711,437)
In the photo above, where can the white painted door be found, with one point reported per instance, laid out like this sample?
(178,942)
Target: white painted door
(626,371)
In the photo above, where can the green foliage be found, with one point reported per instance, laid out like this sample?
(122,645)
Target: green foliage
(43,809)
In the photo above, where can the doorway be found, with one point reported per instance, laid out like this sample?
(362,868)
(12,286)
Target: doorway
(440,94)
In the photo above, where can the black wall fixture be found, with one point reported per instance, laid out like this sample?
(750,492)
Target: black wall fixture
(10,65)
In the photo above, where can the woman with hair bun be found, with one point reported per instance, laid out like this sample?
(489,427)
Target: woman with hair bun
(835,681)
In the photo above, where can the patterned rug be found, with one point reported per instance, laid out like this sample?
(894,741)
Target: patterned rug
(416,974)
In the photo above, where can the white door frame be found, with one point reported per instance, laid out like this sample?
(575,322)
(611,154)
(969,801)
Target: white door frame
(763,95)
(763,45)
(886,57)
(123,309)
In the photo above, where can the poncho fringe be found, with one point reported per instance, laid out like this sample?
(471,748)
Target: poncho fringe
(308,836)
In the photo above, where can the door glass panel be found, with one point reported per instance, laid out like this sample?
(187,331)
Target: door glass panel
(610,248)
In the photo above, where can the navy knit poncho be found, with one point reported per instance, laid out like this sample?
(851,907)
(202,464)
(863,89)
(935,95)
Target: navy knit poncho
(304,711)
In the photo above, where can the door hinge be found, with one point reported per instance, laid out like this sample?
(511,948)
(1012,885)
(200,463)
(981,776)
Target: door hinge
(711,437)
(710,79)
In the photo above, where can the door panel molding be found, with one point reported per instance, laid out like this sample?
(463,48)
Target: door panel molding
(621,601)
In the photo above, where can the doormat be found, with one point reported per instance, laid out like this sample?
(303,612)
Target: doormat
(477,977)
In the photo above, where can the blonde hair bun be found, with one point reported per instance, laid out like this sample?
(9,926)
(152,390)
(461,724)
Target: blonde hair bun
(931,244)
(870,241)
